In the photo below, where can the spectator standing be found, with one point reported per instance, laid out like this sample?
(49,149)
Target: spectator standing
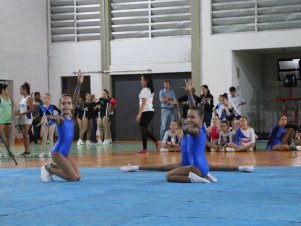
(37,103)
(236,100)
(207,104)
(168,101)
(6,109)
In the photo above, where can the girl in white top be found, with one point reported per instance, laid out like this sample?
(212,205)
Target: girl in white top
(245,137)
(146,111)
(146,97)
(228,111)
(24,115)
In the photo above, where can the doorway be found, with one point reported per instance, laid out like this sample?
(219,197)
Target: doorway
(126,89)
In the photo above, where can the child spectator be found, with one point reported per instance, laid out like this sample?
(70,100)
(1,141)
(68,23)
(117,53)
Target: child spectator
(244,139)
(172,137)
(213,132)
(280,136)
(228,111)
(225,136)
(235,99)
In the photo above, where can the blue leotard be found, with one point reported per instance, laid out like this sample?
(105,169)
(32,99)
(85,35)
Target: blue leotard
(275,136)
(65,137)
(193,151)
(49,110)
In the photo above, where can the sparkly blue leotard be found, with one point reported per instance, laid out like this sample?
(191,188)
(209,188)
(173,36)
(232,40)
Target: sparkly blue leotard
(65,137)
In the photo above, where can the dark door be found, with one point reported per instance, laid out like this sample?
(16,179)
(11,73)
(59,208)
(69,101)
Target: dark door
(69,84)
(126,89)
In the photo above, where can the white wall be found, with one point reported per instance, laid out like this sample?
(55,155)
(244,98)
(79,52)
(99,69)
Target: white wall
(217,58)
(167,54)
(23,49)
(66,58)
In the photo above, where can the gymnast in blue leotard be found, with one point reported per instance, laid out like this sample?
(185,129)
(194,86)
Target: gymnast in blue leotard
(194,166)
(48,130)
(280,136)
(63,164)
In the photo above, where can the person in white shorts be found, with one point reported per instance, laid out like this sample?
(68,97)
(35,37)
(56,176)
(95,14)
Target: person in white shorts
(24,115)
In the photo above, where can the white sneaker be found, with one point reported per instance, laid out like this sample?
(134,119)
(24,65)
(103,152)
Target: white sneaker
(248,169)
(50,174)
(163,149)
(41,155)
(251,149)
(129,168)
(44,175)
(106,142)
(196,179)
(211,178)
(110,140)
(213,149)
(80,142)
(99,143)
(230,149)
(298,148)
(89,143)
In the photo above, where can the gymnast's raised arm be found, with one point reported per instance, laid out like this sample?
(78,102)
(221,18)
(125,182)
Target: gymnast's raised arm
(80,80)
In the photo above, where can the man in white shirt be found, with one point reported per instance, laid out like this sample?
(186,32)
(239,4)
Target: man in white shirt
(236,100)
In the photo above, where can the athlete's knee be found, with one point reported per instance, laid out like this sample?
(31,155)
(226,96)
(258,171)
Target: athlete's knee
(73,178)
(26,136)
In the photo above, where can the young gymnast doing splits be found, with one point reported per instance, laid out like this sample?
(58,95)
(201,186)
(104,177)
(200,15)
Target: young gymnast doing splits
(63,164)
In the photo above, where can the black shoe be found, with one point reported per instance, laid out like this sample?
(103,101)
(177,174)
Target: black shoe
(25,154)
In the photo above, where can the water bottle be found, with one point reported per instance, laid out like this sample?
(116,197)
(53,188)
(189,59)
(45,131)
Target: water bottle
(292,144)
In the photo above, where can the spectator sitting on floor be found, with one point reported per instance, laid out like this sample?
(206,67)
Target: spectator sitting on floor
(213,134)
(172,137)
(280,136)
(245,138)
(225,136)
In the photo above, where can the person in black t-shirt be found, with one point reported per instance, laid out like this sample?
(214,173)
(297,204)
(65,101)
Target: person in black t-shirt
(207,104)
(103,105)
(87,121)
(93,138)
(79,113)
(184,102)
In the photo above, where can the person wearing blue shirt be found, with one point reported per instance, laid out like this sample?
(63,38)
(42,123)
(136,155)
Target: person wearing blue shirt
(168,101)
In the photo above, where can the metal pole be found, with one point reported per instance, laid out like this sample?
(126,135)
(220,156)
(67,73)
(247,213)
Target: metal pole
(8,151)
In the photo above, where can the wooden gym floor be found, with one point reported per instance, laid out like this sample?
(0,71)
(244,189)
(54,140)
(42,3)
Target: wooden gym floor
(122,153)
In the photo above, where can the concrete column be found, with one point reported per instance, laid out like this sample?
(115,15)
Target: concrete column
(196,76)
(105,44)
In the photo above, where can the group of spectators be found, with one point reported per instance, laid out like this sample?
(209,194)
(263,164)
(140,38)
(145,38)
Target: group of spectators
(222,120)
(90,114)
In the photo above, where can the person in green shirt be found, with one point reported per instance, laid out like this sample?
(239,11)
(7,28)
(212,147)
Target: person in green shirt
(6,109)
